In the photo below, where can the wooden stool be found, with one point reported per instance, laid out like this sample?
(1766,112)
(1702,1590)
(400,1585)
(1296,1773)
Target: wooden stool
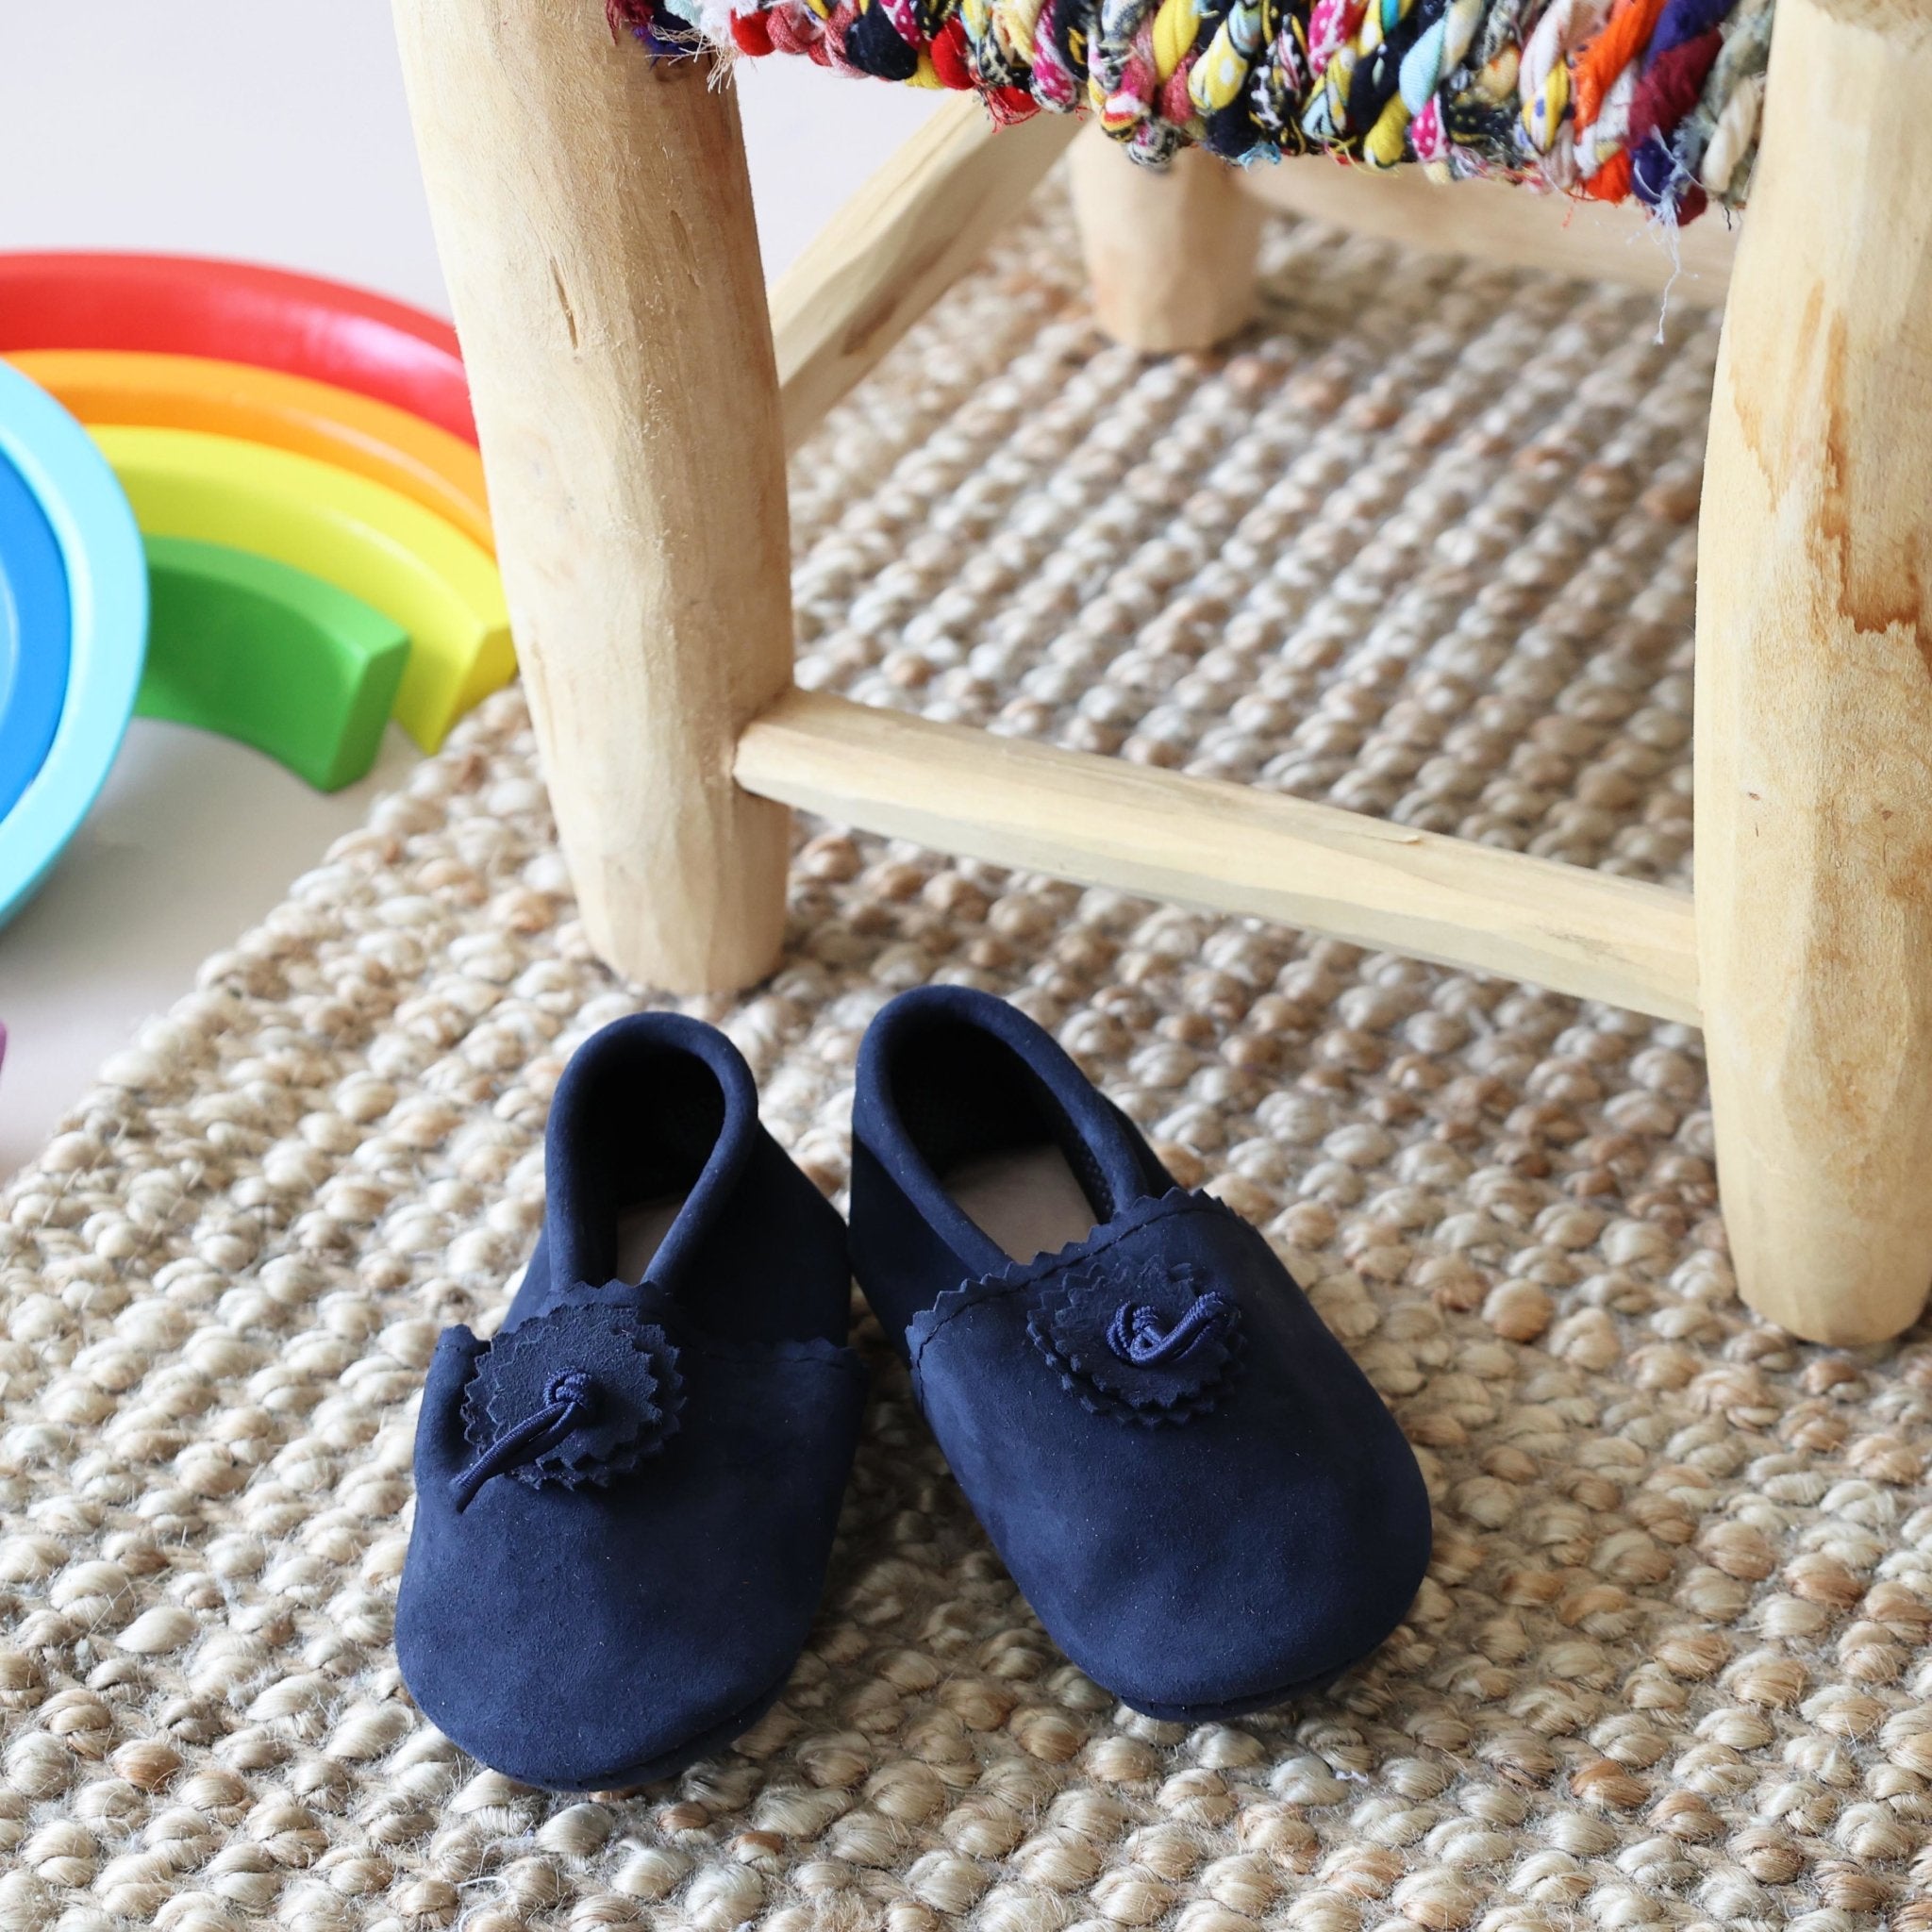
(636,407)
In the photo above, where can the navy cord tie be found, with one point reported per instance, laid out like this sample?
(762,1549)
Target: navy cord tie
(569,1400)
(1139,1334)
(1138,1337)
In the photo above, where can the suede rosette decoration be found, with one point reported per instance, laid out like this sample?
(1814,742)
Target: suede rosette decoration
(1148,1344)
(579,1395)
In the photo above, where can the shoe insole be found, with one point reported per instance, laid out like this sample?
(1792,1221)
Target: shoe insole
(640,1232)
(1027,1200)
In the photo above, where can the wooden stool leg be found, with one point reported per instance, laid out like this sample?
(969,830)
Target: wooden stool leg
(1814,687)
(1170,256)
(594,220)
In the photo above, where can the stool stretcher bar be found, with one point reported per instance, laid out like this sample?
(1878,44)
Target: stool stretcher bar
(1202,841)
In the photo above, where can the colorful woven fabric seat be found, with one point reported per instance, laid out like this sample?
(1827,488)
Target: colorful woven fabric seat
(1652,100)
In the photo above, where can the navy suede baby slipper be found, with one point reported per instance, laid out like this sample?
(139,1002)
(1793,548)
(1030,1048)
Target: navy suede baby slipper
(625,1500)
(1200,1495)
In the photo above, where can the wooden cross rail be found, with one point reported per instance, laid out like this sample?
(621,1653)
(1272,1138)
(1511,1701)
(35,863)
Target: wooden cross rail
(1203,841)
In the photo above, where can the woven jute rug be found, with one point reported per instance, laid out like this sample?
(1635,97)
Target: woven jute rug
(1421,546)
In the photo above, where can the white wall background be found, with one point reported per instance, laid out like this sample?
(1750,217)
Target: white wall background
(273,130)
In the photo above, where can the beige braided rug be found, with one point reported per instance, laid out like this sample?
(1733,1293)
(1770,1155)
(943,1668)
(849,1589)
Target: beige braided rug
(1423,547)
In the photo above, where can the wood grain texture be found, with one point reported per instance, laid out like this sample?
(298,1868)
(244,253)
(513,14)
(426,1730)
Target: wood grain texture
(898,246)
(1170,256)
(1204,842)
(1814,691)
(596,225)
(1496,222)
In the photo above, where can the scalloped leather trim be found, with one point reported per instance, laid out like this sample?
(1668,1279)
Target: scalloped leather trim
(652,1307)
(1021,1276)
(660,1407)
(1018,1274)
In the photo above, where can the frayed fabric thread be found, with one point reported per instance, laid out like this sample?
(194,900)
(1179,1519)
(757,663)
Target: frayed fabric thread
(1653,101)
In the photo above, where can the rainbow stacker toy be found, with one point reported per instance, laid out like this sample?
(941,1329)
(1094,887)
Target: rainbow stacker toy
(291,489)
(301,457)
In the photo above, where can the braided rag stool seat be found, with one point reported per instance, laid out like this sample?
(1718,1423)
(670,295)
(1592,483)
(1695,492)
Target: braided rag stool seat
(1652,100)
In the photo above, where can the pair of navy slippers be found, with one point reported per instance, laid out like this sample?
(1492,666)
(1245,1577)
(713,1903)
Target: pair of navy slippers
(626,1499)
